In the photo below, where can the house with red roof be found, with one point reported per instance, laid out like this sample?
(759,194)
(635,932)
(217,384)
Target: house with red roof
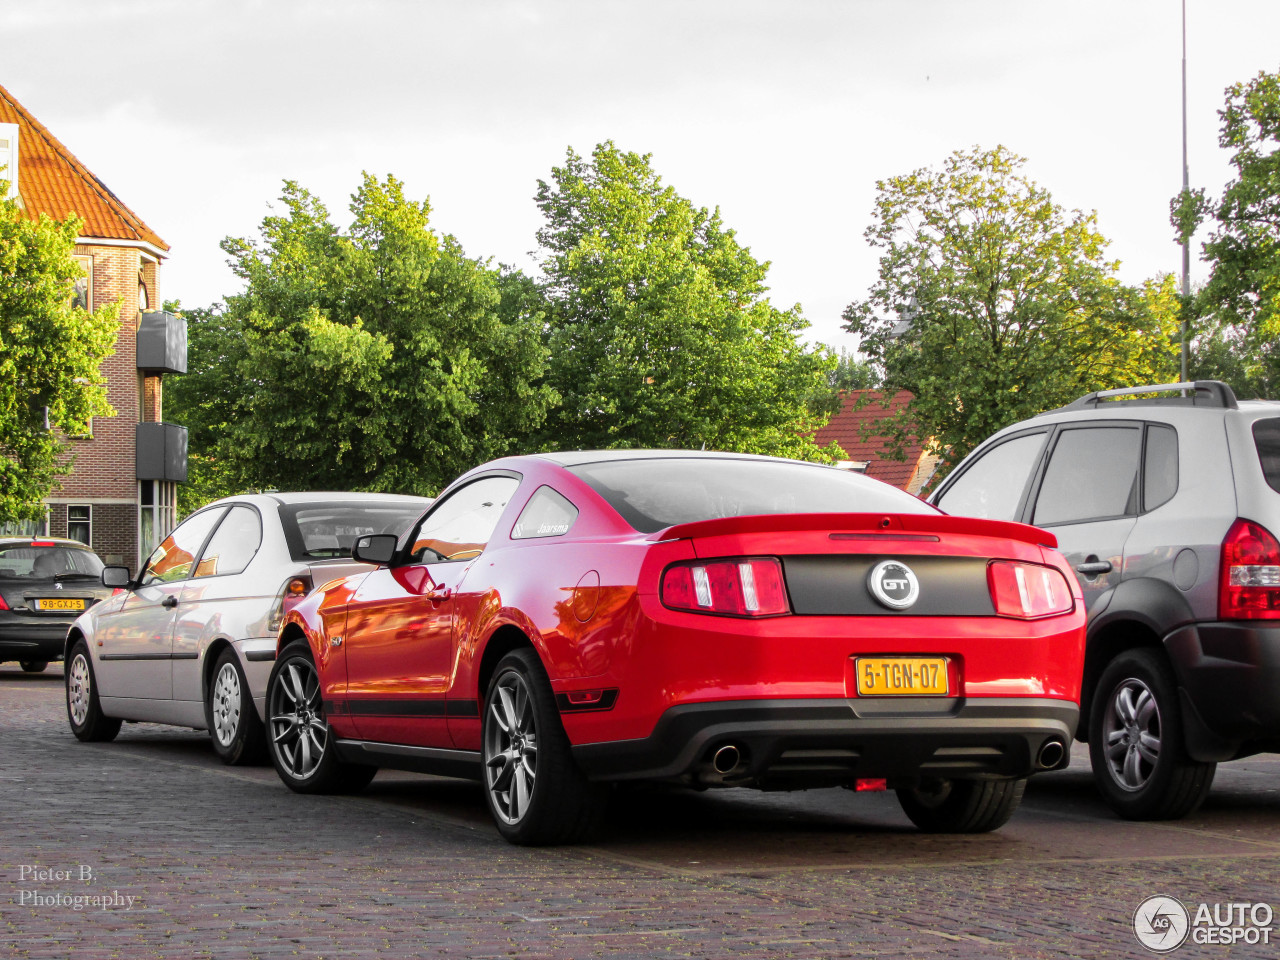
(121,495)
(855,429)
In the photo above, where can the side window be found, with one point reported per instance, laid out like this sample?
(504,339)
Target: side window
(459,526)
(233,545)
(992,486)
(173,558)
(1160,466)
(1092,475)
(547,514)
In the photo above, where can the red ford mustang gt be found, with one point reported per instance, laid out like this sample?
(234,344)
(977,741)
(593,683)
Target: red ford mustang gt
(557,622)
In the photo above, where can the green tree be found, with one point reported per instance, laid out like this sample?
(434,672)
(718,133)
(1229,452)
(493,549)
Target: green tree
(204,401)
(382,358)
(50,353)
(1238,333)
(661,333)
(853,373)
(994,304)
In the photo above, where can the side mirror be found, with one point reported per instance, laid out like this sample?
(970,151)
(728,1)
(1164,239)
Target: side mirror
(115,577)
(376,548)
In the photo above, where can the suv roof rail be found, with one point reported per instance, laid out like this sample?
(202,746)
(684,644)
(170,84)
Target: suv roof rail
(1201,393)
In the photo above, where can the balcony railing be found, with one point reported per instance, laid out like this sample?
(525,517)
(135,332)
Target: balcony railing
(161,452)
(162,342)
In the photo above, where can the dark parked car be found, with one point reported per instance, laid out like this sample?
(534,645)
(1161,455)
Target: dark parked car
(1166,502)
(44,585)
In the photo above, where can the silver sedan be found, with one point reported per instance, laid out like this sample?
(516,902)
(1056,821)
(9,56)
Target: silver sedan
(191,639)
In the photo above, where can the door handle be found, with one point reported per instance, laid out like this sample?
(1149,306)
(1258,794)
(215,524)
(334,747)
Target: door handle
(438,594)
(169,602)
(1093,566)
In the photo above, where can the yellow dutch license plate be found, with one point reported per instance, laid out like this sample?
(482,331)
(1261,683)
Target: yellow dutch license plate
(902,676)
(61,603)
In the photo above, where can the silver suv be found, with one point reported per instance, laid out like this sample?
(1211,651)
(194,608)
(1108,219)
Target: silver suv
(1166,501)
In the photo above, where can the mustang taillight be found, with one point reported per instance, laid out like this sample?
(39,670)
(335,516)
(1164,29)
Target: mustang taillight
(739,587)
(1249,578)
(1028,590)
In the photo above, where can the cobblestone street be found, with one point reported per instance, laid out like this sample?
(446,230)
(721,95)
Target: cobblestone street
(226,862)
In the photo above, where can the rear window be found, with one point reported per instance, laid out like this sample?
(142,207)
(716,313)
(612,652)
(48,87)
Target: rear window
(1266,437)
(27,562)
(318,531)
(654,494)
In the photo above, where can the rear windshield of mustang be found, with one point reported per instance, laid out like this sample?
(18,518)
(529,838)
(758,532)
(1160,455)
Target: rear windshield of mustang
(654,494)
(317,531)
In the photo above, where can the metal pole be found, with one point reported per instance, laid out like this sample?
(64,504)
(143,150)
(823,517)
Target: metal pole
(1186,186)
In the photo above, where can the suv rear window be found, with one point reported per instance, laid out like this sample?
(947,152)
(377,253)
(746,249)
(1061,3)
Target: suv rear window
(317,531)
(654,494)
(1266,437)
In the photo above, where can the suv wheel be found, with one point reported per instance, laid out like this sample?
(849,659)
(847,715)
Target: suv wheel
(1135,742)
(961,806)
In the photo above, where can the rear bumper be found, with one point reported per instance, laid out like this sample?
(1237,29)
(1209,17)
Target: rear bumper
(1230,678)
(31,639)
(798,743)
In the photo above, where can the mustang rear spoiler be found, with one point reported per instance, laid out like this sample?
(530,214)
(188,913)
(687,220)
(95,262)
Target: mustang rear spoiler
(921,524)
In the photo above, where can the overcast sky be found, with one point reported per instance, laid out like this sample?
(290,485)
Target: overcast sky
(783,114)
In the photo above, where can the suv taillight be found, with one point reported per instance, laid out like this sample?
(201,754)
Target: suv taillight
(1249,581)
(1028,590)
(739,587)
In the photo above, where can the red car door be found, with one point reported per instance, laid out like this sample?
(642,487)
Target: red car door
(399,650)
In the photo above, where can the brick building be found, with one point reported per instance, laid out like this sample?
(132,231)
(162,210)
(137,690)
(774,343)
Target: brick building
(120,497)
(855,430)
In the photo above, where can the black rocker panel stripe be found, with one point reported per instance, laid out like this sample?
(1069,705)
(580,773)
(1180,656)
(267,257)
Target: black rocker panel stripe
(406,708)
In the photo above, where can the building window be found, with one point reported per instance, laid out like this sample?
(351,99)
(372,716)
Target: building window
(83,296)
(80,524)
(157,513)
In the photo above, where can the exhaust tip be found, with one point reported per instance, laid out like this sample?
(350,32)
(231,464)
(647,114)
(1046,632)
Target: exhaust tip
(1050,755)
(726,759)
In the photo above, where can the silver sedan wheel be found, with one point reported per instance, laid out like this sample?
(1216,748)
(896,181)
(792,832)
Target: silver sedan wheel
(299,733)
(511,748)
(1131,727)
(78,686)
(225,701)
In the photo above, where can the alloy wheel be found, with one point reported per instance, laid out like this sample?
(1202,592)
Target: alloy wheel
(299,733)
(1132,728)
(511,748)
(78,684)
(226,704)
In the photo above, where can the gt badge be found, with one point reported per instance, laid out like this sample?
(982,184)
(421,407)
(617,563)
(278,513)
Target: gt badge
(894,584)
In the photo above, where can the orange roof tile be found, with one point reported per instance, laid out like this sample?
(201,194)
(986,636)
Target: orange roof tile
(53,182)
(846,427)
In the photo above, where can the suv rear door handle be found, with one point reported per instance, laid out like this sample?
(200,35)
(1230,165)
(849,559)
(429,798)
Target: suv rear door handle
(1093,567)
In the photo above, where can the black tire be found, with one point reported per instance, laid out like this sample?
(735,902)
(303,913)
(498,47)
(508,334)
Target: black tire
(299,740)
(33,666)
(237,734)
(535,792)
(1136,744)
(961,806)
(84,712)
